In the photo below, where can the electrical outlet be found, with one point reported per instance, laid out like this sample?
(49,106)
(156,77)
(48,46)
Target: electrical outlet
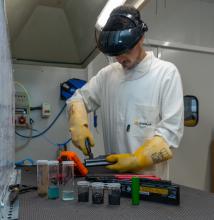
(46,110)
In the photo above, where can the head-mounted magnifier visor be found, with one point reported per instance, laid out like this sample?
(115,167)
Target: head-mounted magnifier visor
(115,43)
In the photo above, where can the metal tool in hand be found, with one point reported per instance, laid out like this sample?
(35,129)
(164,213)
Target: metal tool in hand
(88,147)
(98,161)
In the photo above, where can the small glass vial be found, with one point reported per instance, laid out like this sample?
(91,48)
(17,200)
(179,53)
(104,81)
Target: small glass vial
(114,193)
(42,177)
(83,191)
(97,192)
(53,179)
(67,180)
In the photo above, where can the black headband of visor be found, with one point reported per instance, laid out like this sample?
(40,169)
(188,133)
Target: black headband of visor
(115,43)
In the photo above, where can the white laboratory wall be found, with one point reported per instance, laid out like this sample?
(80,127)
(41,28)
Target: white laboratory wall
(43,85)
(183,21)
(191,164)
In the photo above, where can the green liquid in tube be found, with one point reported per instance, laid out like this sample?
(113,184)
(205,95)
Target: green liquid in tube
(135,191)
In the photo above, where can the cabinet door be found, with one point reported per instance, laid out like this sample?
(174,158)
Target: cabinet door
(191,163)
(182,21)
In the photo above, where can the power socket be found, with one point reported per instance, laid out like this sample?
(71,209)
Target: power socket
(46,110)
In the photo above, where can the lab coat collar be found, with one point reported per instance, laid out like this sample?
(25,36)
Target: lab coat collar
(141,68)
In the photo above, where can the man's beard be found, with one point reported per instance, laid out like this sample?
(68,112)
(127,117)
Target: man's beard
(126,65)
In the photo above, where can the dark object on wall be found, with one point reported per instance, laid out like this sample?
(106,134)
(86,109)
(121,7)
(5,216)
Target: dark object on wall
(69,87)
(212,166)
(191,111)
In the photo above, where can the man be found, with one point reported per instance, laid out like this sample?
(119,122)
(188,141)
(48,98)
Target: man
(140,98)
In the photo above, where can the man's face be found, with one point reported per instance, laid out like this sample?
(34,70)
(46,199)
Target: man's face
(132,57)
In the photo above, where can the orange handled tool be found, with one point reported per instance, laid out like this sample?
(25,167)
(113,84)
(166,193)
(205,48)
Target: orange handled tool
(79,168)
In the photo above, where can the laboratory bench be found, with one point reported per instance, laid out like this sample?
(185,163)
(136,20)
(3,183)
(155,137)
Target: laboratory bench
(194,204)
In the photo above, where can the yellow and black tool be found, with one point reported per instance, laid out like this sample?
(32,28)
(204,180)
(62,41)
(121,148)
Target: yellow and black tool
(97,161)
(88,147)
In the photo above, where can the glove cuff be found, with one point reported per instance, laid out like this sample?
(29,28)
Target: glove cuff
(153,151)
(77,113)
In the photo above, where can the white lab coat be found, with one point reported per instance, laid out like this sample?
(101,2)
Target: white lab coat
(137,104)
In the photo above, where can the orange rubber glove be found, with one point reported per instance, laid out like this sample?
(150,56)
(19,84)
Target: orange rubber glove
(78,121)
(151,152)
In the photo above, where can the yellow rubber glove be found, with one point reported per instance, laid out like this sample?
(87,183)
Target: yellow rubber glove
(151,152)
(78,121)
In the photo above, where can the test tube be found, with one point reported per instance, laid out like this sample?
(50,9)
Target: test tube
(135,190)
(53,179)
(97,192)
(67,180)
(83,191)
(114,193)
(42,177)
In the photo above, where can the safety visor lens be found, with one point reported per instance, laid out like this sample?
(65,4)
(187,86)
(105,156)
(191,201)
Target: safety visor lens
(114,43)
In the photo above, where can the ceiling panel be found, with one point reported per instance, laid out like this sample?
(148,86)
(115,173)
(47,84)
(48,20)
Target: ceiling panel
(59,32)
